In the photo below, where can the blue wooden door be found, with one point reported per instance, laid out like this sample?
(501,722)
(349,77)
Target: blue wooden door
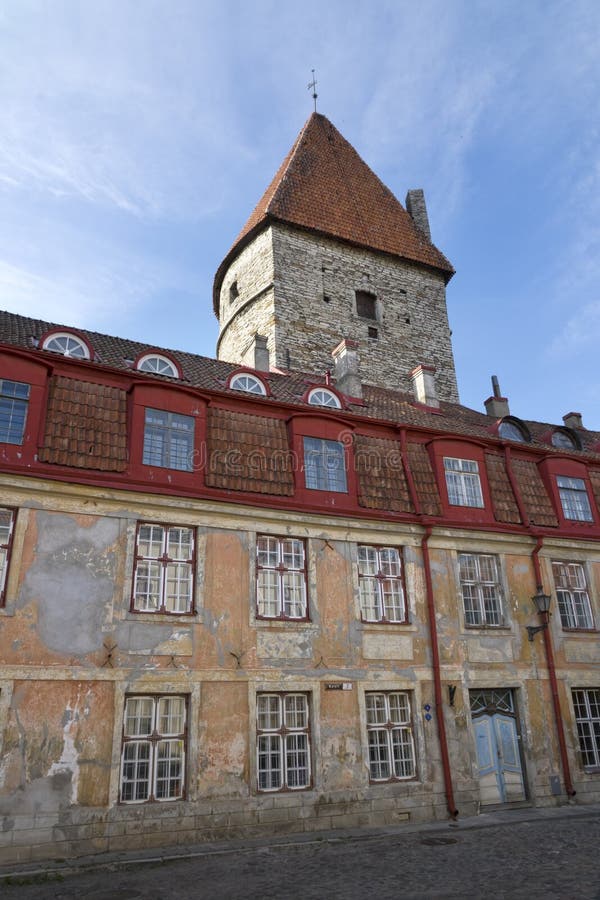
(498,758)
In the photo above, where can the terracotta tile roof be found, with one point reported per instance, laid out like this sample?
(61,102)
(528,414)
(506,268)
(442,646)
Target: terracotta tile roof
(323,185)
(86,426)
(211,374)
(535,497)
(381,479)
(425,483)
(503,498)
(248,453)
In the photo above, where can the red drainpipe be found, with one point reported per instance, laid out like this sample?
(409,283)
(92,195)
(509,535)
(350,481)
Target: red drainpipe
(552,675)
(437,683)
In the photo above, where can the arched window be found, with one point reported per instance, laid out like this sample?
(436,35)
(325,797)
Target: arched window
(323,397)
(513,430)
(249,383)
(157,364)
(564,440)
(66,344)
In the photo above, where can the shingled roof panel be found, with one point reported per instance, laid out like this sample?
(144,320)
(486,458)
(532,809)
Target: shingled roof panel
(503,498)
(86,426)
(381,480)
(248,453)
(535,497)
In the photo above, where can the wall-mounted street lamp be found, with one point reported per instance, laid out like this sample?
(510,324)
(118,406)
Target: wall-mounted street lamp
(541,601)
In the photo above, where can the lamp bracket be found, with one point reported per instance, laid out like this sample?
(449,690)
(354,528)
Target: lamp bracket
(533,629)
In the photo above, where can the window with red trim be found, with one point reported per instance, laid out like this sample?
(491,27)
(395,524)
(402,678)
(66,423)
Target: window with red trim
(164,569)
(281,578)
(7,521)
(381,585)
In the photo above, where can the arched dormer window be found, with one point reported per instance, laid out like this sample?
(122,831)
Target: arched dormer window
(67,344)
(323,397)
(248,383)
(158,365)
(564,439)
(512,429)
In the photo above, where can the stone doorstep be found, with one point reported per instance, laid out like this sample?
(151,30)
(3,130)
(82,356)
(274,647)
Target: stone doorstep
(118,860)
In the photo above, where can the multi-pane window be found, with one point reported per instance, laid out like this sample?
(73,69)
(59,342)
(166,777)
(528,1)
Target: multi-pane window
(323,397)
(481,589)
(168,440)
(587,717)
(572,595)
(574,499)
(158,365)
(164,569)
(153,758)
(390,736)
(462,481)
(282,742)
(6,529)
(324,465)
(14,397)
(380,584)
(248,383)
(281,578)
(67,345)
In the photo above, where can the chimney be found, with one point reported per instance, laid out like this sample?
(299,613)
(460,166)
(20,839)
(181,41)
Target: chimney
(496,405)
(259,353)
(345,358)
(573,420)
(423,382)
(417,210)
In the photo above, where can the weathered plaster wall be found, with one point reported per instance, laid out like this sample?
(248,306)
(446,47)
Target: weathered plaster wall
(62,690)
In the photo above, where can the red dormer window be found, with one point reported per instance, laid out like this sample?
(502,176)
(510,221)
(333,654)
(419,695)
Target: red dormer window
(158,364)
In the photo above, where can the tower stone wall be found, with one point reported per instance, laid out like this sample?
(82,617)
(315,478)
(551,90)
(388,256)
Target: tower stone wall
(299,290)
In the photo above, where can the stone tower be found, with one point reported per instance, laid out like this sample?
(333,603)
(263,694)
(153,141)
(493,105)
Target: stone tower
(329,253)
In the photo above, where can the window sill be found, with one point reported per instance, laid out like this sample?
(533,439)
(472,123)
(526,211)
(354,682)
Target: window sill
(135,616)
(284,624)
(385,626)
(569,631)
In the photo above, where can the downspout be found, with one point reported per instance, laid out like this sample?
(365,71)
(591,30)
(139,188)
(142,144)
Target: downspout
(437,682)
(552,675)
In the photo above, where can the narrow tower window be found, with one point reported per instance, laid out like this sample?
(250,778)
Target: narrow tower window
(366,304)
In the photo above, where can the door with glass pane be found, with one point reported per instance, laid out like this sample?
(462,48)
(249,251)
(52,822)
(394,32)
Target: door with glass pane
(497,743)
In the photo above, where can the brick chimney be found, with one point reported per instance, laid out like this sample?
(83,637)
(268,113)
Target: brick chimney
(496,405)
(573,420)
(345,358)
(417,210)
(423,382)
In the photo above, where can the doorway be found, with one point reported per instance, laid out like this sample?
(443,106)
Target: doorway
(497,741)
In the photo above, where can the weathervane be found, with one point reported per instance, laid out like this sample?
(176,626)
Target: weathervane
(313,85)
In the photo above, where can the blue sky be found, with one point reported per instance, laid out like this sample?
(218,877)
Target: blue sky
(136,137)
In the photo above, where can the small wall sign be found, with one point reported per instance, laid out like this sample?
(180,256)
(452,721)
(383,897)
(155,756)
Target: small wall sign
(338,686)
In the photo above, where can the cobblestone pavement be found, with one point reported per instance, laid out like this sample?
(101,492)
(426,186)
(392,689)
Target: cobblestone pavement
(541,858)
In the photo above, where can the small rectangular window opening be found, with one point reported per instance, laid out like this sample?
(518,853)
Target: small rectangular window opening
(366,304)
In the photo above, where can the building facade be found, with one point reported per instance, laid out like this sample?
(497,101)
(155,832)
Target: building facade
(290,588)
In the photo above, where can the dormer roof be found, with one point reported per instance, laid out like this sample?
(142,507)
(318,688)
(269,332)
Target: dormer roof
(324,186)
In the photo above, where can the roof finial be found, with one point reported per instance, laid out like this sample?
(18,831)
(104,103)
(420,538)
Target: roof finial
(313,85)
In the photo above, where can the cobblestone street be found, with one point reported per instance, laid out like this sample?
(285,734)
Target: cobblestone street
(543,855)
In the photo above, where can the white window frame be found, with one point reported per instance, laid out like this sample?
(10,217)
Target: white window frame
(390,736)
(7,526)
(323,397)
(157,365)
(158,754)
(283,741)
(463,482)
(163,581)
(381,585)
(482,593)
(171,439)
(67,344)
(586,705)
(248,383)
(572,594)
(574,499)
(281,578)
